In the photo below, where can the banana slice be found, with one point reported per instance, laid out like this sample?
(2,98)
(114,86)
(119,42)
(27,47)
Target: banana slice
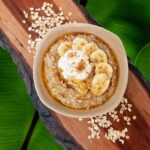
(104,68)
(64,47)
(99,84)
(78,43)
(98,56)
(89,48)
(79,86)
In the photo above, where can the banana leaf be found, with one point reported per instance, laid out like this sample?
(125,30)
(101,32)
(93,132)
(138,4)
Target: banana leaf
(17,113)
(143,61)
(42,140)
(129,19)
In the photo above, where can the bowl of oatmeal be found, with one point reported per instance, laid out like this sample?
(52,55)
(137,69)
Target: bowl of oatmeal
(80,70)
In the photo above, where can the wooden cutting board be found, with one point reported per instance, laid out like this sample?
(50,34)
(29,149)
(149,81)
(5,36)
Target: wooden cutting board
(71,133)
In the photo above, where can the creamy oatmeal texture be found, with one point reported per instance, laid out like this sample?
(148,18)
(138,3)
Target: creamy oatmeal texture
(80,71)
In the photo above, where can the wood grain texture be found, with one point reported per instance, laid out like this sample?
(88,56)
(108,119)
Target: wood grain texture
(68,131)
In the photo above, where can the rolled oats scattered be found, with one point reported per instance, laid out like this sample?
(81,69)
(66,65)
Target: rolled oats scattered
(98,122)
(134,117)
(23,21)
(70,13)
(80,119)
(43,19)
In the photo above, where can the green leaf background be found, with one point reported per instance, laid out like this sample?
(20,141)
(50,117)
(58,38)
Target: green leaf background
(129,19)
(143,61)
(16,112)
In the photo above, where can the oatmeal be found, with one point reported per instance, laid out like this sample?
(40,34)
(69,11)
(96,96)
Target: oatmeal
(80,71)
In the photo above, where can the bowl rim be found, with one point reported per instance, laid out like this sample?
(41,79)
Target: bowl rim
(48,101)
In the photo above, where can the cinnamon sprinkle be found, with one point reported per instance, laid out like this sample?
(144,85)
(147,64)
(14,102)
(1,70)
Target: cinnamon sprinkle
(80,66)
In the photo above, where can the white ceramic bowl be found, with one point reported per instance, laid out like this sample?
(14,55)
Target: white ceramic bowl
(111,39)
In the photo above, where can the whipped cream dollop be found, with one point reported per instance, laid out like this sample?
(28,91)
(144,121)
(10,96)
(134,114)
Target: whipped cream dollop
(75,65)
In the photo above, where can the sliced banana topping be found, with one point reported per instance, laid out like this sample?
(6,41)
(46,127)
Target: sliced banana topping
(89,48)
(76,62)
(98,56)
(64,47)
(99,84)
(104,68)
(79,86)
(78,43)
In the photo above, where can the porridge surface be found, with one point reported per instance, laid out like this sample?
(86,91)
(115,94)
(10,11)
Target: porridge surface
(80,71)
